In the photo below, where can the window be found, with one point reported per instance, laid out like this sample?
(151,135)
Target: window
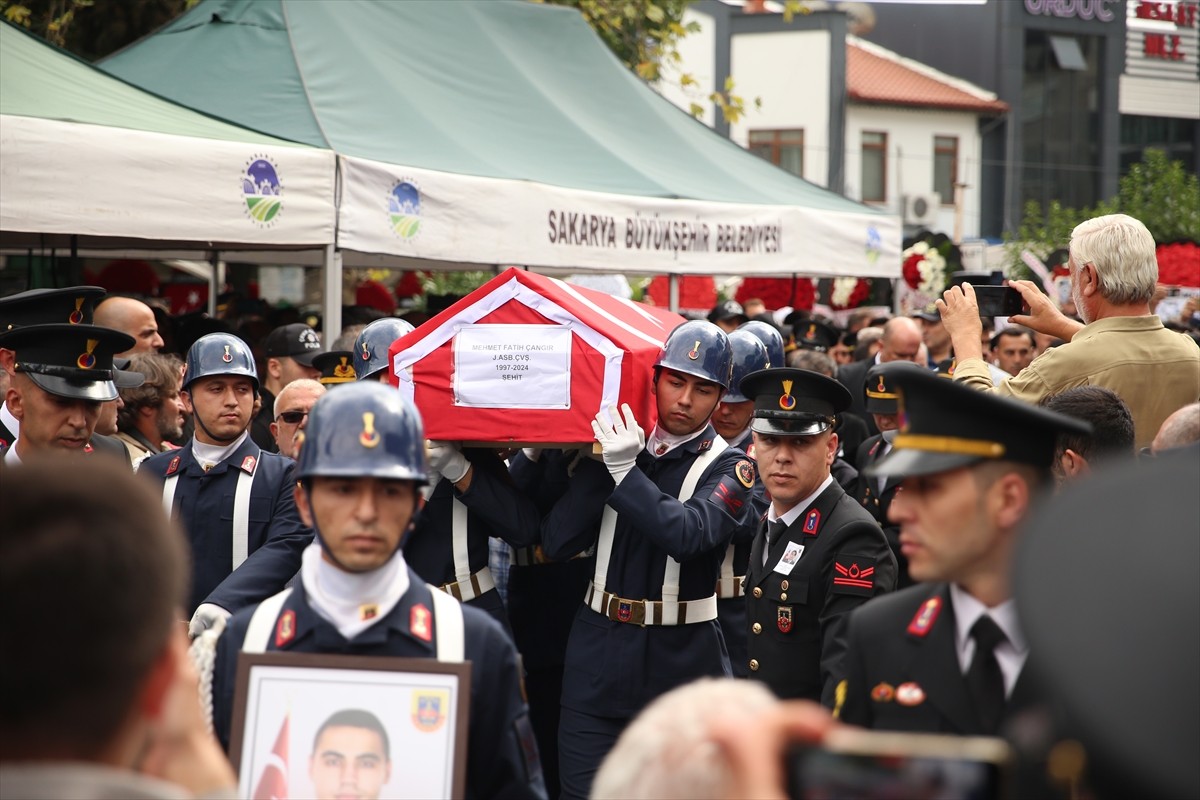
(945,167)
(874,166)
(783,148)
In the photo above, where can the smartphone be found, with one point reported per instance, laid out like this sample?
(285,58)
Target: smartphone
(999,301)
(854,764)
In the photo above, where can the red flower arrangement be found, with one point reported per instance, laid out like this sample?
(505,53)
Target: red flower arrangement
(778,292)
(1179,264)
(848,293)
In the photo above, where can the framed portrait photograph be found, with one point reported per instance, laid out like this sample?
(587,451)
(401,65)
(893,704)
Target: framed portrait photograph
(327,726)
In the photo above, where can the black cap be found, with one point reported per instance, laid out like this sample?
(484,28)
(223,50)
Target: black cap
(1105,581)
(73,361)
(946,367)
(727,309)
(125,378)
(945,425)
(71,306)
(794,402)
(812,335)
(296,341)
(337,366)
(879,389)
(929,313)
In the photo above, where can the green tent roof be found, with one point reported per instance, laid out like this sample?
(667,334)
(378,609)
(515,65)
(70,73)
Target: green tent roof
(41,81)
(492,88)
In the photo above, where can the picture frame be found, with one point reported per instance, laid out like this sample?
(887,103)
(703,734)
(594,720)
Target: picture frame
(391,727)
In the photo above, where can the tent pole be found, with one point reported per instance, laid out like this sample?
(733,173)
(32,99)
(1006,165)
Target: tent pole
(215,281)
(331,323)
(673,293)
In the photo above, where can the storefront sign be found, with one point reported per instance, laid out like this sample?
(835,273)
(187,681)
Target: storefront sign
(1072,9)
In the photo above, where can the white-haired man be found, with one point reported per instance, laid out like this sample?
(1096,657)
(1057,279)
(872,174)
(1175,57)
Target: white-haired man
(1120,345)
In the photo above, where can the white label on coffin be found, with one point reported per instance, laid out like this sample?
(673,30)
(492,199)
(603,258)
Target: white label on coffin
(513,366)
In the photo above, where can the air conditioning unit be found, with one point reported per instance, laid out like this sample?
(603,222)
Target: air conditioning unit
(922,209)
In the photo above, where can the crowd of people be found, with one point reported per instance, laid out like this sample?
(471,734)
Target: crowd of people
(822,528)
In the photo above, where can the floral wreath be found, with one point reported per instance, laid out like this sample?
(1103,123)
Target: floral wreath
(848,293)
(924,268)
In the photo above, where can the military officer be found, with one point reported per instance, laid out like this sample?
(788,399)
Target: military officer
(660,511)
(948,655)
(876,493)
(732,421)
(371,348)
(233,499)
(361,465)
(819,555)
(61,375)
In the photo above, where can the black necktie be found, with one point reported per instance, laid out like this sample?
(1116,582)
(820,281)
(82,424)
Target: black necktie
(985,682)
(775,529)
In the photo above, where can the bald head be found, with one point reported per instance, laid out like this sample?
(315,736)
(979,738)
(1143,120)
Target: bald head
(1180,429)
(133,317)
(901,341)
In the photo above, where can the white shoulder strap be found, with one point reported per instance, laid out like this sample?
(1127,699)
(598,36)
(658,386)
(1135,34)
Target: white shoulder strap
(258,632)
(448,626)
(169,494)
(670,588)
(241,516)
(458,541)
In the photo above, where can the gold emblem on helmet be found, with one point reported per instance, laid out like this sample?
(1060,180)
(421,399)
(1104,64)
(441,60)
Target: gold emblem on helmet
(369,436)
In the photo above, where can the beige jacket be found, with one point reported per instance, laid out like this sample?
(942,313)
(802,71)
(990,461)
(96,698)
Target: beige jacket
(1154,370)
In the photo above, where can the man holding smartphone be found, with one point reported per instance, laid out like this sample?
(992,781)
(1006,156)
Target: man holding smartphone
(1120,345)
(948,655)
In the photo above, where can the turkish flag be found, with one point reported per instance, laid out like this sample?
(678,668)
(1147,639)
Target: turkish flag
(272,784)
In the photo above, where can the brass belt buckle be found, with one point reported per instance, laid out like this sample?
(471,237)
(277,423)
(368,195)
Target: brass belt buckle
(628,611)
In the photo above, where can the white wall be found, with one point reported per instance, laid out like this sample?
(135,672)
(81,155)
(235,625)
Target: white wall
(698,54)
(790,73)
(910,157)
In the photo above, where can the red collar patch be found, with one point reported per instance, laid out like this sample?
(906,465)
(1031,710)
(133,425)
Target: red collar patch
(285,629)
(926,615)
(812,522)
(419,620)
(173,467)
(248,464)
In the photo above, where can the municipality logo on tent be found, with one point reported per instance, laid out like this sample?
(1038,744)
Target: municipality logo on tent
(874,244)
(262,190)
(404,209)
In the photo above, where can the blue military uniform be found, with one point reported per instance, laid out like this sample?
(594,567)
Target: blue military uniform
(615,665)
(204,502)
(731,593)
(494,507)
(501,756)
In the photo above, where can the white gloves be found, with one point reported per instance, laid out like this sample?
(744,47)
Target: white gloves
(206,616)
(620,444)
(446,458)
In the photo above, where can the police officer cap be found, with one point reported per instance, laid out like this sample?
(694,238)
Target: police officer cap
(770,336)
(337,366)
(296,341)
(71,306)
(1105,581)
(363,430)
(219,354)
(810,334)
(749,355)
(794,402)
(929,313)
(371,346)
(74,361)
(945,425)
(879,389)
(701,349)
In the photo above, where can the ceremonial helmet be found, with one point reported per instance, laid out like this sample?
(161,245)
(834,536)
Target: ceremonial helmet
(770,336)
(749,355)
(219,354)
(698,348)
(363,430)
(371,346)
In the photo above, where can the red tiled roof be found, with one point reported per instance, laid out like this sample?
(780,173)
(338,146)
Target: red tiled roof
(873,78)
